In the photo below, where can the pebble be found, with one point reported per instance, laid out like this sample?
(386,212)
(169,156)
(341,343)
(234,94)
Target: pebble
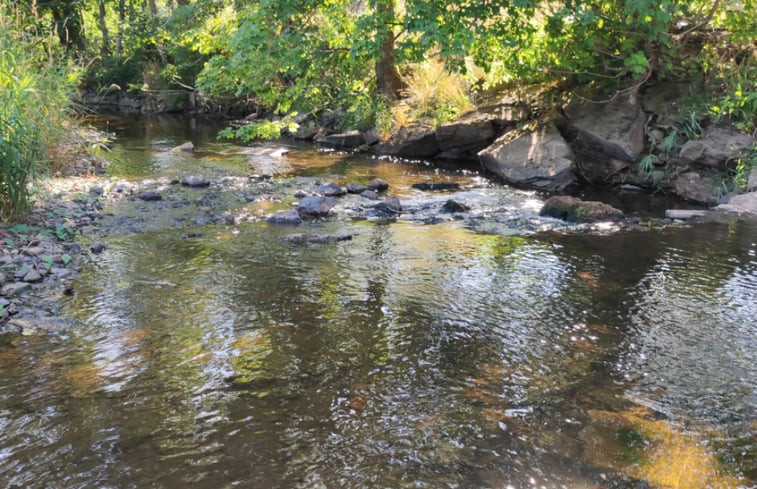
(33,276)
(149,195)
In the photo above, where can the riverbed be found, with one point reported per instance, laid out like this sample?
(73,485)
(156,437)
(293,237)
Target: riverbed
(490,348)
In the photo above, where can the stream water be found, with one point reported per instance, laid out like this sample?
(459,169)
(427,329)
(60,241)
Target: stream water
(485,351)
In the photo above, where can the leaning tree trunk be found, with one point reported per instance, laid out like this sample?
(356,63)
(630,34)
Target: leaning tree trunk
(121,21)
(388,79)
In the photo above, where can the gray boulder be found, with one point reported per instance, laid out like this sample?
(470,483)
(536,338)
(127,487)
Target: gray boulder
(615,128)
(751,185)
(692,187)
(314,207)
(149,195)
(717,146)
(378,185)
(356,188)
(540,158)
(9,290)
(744,205)
(187,147)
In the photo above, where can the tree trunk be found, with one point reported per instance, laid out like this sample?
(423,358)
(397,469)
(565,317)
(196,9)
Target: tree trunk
(153,8)
(68,23)
(103,28)
(121,20)
(388,81)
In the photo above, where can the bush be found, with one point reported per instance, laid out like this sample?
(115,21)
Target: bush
(34,95)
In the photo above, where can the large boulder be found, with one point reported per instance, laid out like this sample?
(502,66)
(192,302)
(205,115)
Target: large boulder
(411,142)
(539,158)
(467,136)
(692,187)
(717,146)
(576,210)
(744,205)
(615,128)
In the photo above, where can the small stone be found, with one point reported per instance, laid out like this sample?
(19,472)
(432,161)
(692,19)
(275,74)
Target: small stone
(5,259)
(370,194)
(356,188)
(290,217)
(97,247)
(96,190)
(14,288)
(59,272)
(194,181)
(32,276)
(34,251)
(149,195)
(331,189)
(378,185)
(301,194)
(453,206)
(315,238)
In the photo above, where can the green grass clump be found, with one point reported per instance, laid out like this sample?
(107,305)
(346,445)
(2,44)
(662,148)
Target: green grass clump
(34,98)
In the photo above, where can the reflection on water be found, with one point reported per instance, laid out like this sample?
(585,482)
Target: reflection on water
(411,356)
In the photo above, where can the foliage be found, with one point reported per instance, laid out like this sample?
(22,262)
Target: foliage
(34,93)
(261,129)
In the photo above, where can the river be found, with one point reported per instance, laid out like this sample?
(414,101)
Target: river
(493,350)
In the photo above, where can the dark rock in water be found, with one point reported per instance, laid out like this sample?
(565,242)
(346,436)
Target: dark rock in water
(356,188)
(291,217)
(532,157)
(331,189)
(9,290)
(692,187)
(301,194)
(346,140)
(187,147)
(436,186)
(259,177)
(97,247)
(378,185)
(390,207)
(313,207)
(190,235)
(149,195)
(194,181)
(465,137)
(315,238)
(452,206)
(576,210)
(370,194)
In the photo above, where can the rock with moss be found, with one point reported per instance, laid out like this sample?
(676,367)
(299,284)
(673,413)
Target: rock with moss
(573,209)
(717,147)
(691,186)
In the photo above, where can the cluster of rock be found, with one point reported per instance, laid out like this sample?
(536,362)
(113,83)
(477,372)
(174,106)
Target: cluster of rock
(601,141)
(325,198)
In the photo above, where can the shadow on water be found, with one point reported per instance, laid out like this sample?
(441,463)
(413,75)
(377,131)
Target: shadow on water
(412,356)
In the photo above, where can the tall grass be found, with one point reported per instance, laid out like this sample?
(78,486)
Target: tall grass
(34,98)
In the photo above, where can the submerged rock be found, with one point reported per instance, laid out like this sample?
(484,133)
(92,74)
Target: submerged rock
(576,210)
(194,181)
(390,207)
(314,207)
(436,186)
(289,217)
(97,247)
(540,158)
(315,238)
